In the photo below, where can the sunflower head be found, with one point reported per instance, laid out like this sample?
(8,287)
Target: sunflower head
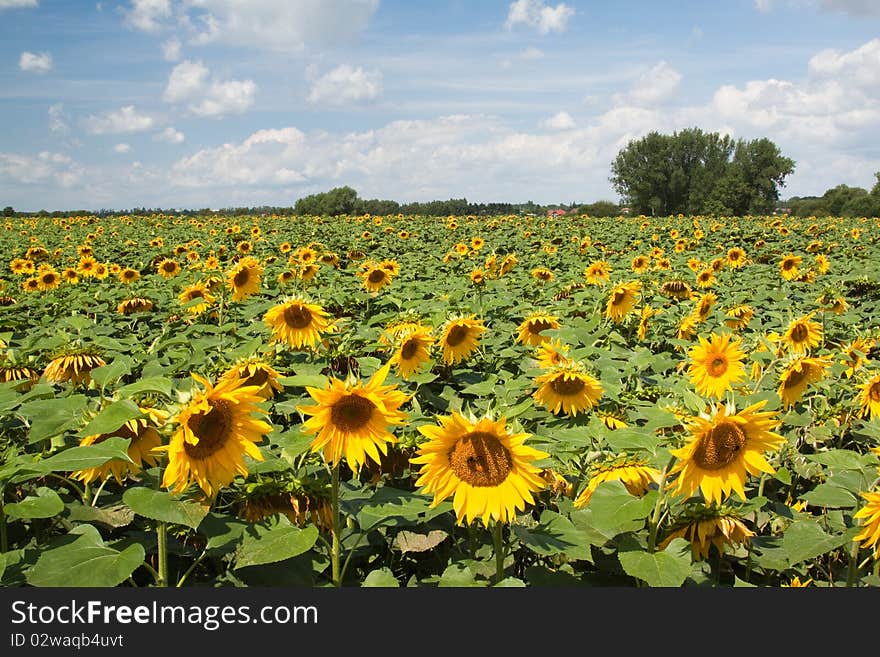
(632,471)
(530,329)
(803,334)
(567,388)
(413,351)
(716,364)
(705,527)
(298,322)
(869,398)
(243,279)
(73,365)
(797,375)
(134,305)
(167,268)
(552,353)
(375,277)
(459,338)
(255,371)
(676,289)
(195,298)
(622,300)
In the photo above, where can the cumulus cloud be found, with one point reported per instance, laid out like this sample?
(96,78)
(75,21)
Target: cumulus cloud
(15,4)
(190,83)
(148,15)
(861,66)
(171,50)
(559,121)
(170,136)
(536,14)
(36,62)
(45,167)
(656,85)
(279,24)
(125,119)
(345,85)
(57,120)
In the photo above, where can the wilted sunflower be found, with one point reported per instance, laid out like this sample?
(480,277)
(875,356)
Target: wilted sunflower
(486,469)
(297,322)
(870,513)
(191,293)
(676,289)
(726,447)
(542,274)
(74,366)
(633,472)
(459,338)
(567,388)
(706,527)
(529,331)
(26,376)
(803,334)
(255,372)
(613,419)
(376,277)
(216,428)
(144,438)
(716,364)
(134,305)
(507,264)
(869,397)
(352,418)
(788,267)
(413,351)
(739,316)
(243,279)
(478,276)
(308,272)
(797,375)
(704,305)
(168,268)
(552,353)
(622,300)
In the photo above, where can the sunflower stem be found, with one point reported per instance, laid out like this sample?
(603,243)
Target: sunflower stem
(853,568)
(98,492)
(658,507)
(335,547)
(191,568)
(498,535)
(162,547)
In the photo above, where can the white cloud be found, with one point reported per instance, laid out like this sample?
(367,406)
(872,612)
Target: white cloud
(344,85)
(124,120)
(15,4)
(170,135)
(656,85)
(559,121)
(171,50)
(279,24)
(764,6)
(45,167)
(57,121)
(36,62)
(122,148)
(861,65)
(148,15)
(190,83)
(859,8)
(532,53)
(536,14)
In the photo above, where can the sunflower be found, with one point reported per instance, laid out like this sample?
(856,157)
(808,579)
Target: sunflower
(855,354)
(168,268)
(622,300)
(129,275)
(297,322)
(478,276)
(144,438)
(613,419)
(215,430)
(308,272)
(134,305)
(707,527)
(243,279)
(70,276)
(459,338)
(870,513)
(788,267)
(716,364)
(736,257)
(567,388)
(822,264)
(74,367)
(542,274)
(487,469)
(552,353)
(26,376)
(633,472)
(799,373)
(738,317)
(351,418)
(869,397)
(706,278)
(255,372)
(529,332)
(190,293)
(705,303)
(507,264)
(640,264)
(376,277)
(391,266)
(803,334)
(644,316)
(413,351)
(726,446)
(48,279)
(676,289)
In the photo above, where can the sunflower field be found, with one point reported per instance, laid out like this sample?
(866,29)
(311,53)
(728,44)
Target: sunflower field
(411,401)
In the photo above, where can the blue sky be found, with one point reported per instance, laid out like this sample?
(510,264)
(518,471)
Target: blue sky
(217,103)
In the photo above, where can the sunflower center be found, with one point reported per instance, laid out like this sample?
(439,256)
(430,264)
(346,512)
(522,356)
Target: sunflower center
(351,412)
(618,298)
(720,446)
(538,325)
(874,392)
(241,278)
(169,266)
(195,294)
(479,459)
(457,335)
(717,366)
(796,376)
(799,333)
(212,429)
(376,276)
(788,265)
(297,317)
(409,348)
(565,386)
(258,378)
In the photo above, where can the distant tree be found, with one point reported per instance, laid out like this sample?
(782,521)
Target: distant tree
(600,209)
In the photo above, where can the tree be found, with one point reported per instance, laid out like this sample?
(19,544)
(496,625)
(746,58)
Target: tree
(8,211)
(693,172)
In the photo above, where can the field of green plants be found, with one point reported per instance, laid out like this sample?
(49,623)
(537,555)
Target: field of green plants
(415,401)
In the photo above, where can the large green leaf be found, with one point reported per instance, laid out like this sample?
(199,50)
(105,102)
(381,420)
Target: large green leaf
(805,540)
(151,384)
(556,534)
(615,511)
(162,506)
(458,575)
(112,371)
(86,562)
(51,417)
(669,568)
(87,456)
(380,578)
(278,544)
(45,504)
(392,506)
(112,417)
(830,496)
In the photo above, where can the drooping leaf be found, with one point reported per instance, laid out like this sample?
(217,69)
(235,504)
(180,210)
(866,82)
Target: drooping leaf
(164,507)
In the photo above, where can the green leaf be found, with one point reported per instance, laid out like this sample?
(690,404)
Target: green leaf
(303,381)
(86,562)
(152,384)
(113,516)
(275,545)
(391,506)
(111,418)
(51,417)
(162,506)
(380,578)
(112,371)
(45,504)
(839,459)
(481,388)
(87,456)
(669,568)
(624,440)
(556,534)
(457,575)
(615,511)
(830,496)
(805,540)
(510,583)
(221,530)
